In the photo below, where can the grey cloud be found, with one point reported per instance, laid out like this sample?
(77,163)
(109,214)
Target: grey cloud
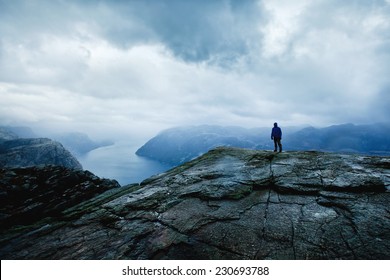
(193,30)
(23,20)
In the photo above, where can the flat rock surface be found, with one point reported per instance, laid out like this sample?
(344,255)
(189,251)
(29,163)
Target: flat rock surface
(227,204)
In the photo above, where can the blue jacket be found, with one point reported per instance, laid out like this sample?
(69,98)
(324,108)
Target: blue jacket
(276,132)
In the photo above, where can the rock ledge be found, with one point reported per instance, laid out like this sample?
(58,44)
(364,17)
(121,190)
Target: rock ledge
(227,204)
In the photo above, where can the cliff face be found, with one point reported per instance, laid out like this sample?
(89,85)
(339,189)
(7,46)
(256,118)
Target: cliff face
(26,152)
(227,204)
(34,194)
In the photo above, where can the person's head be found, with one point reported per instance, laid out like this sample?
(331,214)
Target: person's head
(275,124)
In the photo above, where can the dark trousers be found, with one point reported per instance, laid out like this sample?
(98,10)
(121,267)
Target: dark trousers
(277,143)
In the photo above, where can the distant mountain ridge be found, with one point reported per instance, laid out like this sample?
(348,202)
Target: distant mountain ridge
(76,142)
(21,147)
(366,139)
(181,144)
(17,150)
(14,132)
(79,143)
(28,152)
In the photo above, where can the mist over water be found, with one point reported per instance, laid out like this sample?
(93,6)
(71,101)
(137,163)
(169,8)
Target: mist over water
(120,162)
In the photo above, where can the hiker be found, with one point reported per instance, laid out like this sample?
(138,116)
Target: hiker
(276,135)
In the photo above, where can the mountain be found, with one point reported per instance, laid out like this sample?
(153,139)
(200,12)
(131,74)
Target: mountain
(181,144)
(365,139)
(76,142)
(20,147)
(26,152)
(6,134)
(229,203)
(79,143)
(16,132)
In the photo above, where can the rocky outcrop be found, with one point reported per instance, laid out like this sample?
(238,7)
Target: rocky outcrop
(26,152)
(229,203)
(29,195)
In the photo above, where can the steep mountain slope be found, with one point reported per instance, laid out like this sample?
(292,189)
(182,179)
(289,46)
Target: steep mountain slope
(229,203)
(34,194)
(77,143)
(25,152)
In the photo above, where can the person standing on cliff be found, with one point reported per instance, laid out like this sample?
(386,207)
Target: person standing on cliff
(276,135)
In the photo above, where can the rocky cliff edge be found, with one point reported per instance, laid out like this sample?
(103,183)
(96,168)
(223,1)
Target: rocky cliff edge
(28,152)
(227,204)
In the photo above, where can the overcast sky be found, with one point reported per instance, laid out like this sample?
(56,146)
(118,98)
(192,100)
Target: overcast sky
(137,67)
